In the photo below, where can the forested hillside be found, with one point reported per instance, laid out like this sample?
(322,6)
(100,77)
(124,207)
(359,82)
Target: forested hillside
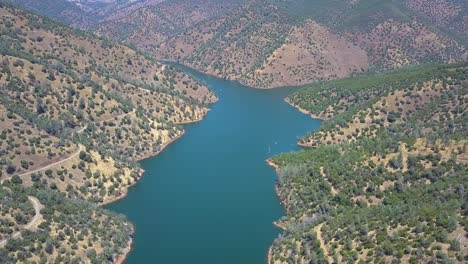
(385,180)
(274,43)
(269,43)
(77,111)
(83,14)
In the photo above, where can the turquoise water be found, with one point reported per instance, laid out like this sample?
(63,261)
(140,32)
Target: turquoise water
(209,197)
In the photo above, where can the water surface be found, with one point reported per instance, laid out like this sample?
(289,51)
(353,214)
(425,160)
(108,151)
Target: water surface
(209,198)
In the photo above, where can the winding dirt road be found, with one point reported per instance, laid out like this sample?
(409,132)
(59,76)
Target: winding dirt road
(33,223)
(108,119)
(81,148)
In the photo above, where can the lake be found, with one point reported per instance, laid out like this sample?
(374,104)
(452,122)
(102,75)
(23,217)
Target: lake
(209,197)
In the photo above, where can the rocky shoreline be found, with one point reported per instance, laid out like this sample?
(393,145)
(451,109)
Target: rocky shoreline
(282,201)
(121,259)
(304,111)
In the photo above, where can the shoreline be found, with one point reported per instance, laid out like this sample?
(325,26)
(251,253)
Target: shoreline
(304,145)
(270,255)
(122,195)
(304,111)
(164,146)
(195,120)
(282,202)
(121,259)
(276,167)
(230,79)
(142,171)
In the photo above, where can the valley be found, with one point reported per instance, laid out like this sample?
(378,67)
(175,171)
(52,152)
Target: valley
(268,44)
(130,131)
(206,198)
(271,43)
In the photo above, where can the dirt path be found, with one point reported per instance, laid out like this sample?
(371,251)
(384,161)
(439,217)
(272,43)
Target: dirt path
(81,148)
(50,165)
(404,155)
(318,231)
(32,224)
(105,120)
(81,130)
(333,190)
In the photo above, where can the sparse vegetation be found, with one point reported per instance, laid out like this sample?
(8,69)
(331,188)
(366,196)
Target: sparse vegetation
(68,230)
(270,43)
(75,117)
(384,182)
(390,188)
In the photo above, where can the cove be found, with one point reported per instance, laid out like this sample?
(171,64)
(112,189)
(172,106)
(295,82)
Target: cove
(209,197)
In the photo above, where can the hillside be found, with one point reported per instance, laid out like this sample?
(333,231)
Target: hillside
(386,178)
(383,180)
(268,43)
(83,14)
(65,230)
(151,25)
(76,113)
(273,43)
